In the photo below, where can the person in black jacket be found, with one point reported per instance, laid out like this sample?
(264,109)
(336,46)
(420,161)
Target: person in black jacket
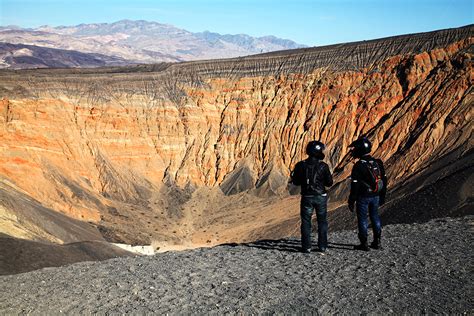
(313,176)
(366,192)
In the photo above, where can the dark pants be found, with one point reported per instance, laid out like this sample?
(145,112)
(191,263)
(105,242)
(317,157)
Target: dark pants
(308,204)
(368,205)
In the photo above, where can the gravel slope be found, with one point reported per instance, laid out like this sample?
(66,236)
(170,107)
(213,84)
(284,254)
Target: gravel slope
(423,268)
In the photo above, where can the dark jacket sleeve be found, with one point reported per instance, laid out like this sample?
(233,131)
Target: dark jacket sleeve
(327,177)
(383,192)
(296,174)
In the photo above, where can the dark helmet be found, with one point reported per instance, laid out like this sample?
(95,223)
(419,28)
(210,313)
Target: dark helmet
(361,147)
(315,149)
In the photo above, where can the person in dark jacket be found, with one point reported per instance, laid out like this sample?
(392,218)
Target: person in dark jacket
(313,176)
(366,194)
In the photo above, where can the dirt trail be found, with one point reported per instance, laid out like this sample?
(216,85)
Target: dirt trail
(423,268)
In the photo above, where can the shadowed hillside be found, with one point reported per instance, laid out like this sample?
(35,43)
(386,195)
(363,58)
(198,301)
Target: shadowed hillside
(17,56)
(19,255)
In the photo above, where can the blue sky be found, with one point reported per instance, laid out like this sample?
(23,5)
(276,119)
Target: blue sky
(310,22)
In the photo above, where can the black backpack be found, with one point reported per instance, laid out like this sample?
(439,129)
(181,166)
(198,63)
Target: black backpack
(312,173)
(375,184)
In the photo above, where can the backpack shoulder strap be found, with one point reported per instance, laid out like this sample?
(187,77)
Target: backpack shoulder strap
(375,167)
(309,168)
(306,175)
(319,167)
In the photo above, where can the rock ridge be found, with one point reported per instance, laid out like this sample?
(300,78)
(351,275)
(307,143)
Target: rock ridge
(353,56)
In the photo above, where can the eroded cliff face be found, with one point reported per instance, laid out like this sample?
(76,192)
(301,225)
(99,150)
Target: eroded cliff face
(126,150)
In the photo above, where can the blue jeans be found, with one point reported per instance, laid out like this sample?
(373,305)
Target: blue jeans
(369,205)
(308,204)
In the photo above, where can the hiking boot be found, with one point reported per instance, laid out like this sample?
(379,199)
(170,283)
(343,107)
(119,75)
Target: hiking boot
(307,250)
(376,244)
(363,243)
(322,249)
(362,246)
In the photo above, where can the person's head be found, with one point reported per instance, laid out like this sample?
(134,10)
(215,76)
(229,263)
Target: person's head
(360,147)
(315,149)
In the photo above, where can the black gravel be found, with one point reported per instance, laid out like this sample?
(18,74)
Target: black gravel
(423,268)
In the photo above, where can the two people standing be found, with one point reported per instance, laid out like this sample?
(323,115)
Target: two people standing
(368,188)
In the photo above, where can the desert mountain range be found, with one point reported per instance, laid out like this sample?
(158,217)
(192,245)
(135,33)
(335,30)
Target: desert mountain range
(125,40)
(181,155)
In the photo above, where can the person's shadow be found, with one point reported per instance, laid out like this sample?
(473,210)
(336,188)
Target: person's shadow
(333,245)
(270,244)
(288,245)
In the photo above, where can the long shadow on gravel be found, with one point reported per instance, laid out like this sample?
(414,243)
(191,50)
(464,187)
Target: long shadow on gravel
(289,245)
(333,245)
(269,244)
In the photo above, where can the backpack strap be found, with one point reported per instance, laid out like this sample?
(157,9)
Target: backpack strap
(307,167)
(306,177)
(365,163)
